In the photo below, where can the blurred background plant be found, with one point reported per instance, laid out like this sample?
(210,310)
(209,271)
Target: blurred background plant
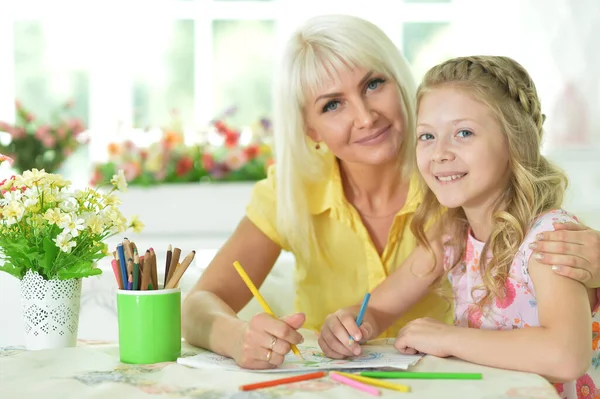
(36,144)
(218,153)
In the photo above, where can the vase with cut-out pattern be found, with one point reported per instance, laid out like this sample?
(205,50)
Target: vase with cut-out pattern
(50,311)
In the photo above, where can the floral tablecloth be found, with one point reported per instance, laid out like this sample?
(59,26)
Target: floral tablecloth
(93,370)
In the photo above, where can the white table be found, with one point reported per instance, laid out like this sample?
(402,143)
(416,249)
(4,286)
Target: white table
(93,370)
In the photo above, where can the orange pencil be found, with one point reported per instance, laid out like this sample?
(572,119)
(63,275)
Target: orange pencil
(117,271)
(281,381)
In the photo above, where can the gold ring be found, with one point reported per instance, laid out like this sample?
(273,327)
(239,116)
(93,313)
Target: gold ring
(269,353)
(273,342)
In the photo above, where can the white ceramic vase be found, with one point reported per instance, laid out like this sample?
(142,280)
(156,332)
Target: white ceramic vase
(50,310)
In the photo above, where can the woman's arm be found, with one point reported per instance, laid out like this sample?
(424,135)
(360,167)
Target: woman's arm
(560,349)
(209,313)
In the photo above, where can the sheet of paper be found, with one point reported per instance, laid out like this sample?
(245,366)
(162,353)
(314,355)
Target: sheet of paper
(373,356)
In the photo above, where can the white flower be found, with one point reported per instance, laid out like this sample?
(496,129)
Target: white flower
(112,199)
(29,177)
(31,197)
(13,212)
(119,181)
(63,242)
(68,206)
(95,224)
(55,216)
(71,225)
(10,196)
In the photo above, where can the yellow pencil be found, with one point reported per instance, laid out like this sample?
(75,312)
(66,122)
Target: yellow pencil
(377,382)
(259,298)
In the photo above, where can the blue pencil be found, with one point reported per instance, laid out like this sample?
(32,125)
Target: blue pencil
(121,252)
(361,314)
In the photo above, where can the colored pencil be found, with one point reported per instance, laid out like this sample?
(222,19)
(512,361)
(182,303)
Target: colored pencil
(117,271)
(377,383)
(422,375)
(281,381)
(154,275)
(146,272)
(168,263)
(259,298)
(174,280)
(174,261)
(121,256)
(361,314)
(354,384)
(136,270)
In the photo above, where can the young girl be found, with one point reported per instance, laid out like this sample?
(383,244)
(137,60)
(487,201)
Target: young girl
(479,131)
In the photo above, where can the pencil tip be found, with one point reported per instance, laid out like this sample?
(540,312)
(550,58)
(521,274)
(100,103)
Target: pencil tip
(194,251)
(170,247)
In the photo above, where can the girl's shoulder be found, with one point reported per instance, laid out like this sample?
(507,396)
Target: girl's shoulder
(545,222)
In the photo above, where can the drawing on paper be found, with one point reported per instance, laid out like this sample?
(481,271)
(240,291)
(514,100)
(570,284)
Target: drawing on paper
(372,356)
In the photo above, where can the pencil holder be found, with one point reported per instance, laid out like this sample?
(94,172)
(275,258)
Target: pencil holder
(149,325)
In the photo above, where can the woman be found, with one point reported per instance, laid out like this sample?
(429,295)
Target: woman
(340,198)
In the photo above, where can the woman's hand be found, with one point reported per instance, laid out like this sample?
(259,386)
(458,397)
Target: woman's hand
(424,335)
(340,337)
(264,341)
(573,250)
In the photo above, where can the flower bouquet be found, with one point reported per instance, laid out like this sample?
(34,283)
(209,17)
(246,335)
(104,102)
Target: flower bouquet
(50,237)
(34,144)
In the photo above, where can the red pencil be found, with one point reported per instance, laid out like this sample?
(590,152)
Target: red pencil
(281,381)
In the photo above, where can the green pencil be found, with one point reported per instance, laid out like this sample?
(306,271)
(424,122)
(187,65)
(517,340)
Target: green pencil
(422,375)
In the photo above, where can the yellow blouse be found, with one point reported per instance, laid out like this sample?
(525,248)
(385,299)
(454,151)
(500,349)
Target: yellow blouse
(342,280)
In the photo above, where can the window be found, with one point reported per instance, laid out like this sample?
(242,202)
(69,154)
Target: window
(142,63)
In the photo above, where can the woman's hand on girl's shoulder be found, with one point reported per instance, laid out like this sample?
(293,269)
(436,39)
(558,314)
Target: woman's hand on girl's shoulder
(573,250)
(340,336)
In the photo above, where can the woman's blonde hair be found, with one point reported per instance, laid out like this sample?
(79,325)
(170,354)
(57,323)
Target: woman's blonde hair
(535,185)
(318,50)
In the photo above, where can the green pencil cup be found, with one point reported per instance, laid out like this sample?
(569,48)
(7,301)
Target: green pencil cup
(149,325)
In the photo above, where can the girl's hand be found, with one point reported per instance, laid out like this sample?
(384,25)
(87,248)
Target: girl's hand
(264,341)
(573,250)
(424,335)
(340,337)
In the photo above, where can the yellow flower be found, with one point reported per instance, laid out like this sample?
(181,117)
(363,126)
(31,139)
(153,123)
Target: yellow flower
(53,216)
(136,224)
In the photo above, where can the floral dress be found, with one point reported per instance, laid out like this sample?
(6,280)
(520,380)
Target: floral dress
(518,309)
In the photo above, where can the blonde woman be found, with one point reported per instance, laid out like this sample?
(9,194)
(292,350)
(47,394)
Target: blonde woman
(341,196)
(478,151)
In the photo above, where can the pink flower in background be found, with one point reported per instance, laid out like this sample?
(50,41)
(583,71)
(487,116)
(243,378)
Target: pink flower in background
(131,170)
(42,132)
(61,132)
(236,159)
(17,133)
(49,141)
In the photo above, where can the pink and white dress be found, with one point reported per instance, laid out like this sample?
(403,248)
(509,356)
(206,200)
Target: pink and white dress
(518,309)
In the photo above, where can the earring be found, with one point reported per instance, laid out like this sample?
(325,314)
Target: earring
(317,146)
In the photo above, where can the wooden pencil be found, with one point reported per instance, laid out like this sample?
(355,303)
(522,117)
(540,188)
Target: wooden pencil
(174,280)
(168,264)
(174,261)
(154,270)
(147,273)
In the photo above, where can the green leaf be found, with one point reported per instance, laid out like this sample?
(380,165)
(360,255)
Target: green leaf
(50,253)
